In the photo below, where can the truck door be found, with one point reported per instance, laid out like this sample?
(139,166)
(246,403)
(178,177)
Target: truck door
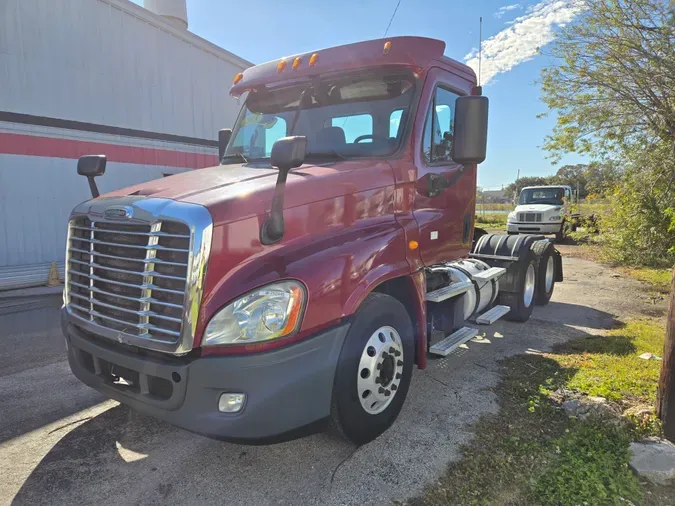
(445,191)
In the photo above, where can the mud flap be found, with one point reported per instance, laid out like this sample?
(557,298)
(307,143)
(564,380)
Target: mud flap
(557,258)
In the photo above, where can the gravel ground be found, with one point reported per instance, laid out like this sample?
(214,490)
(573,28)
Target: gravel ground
(63,443)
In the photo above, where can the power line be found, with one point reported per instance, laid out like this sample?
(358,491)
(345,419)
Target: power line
(392,18)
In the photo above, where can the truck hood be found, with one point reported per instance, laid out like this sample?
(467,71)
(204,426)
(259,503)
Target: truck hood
(235,192)
(539,208)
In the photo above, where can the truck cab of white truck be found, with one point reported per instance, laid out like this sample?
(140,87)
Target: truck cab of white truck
(542,210)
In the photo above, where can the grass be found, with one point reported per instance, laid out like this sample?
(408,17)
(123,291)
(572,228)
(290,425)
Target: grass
(533,453)
(659,279)
(493,206)
(610,366)
(491,221)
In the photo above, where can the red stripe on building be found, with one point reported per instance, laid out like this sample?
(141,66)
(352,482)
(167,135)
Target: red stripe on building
(32,145)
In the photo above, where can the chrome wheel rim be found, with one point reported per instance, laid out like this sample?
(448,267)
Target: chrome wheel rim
(550,269)
(380,370)
(528,291)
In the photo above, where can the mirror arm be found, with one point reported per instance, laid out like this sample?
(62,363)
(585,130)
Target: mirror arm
(273,229)
(92,187)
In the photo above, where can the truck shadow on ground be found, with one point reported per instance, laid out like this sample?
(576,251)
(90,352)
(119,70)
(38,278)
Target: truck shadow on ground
(576,315)
(136,459)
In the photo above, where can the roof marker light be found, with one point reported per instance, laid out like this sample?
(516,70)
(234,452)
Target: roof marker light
(314,59)
(296,63)
(238,78)
(387,47)
(281,66)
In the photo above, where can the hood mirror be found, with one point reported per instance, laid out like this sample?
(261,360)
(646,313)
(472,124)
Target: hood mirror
(92,166)
(287,153)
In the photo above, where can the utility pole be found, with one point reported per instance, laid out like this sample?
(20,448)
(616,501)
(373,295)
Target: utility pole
(665,398)
(517,187)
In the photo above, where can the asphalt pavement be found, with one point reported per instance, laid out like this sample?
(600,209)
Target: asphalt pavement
(63,443)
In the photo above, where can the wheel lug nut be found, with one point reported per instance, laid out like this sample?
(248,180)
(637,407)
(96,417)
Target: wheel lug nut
(378,366)
(394,387)
(385,354)
(397,353)
(387,393)
(398,375)
(399,362)
(392,349)
(381,390)
(378,380)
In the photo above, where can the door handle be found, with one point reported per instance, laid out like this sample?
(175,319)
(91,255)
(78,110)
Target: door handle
(436,184)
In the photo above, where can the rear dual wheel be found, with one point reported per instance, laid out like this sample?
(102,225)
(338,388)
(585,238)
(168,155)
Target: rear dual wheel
(545,272)
(374,370)
(521,301)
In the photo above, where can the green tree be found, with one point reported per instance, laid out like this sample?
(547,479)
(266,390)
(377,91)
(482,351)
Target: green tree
(611,86)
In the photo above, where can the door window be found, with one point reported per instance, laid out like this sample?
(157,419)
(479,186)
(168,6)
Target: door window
(439,128)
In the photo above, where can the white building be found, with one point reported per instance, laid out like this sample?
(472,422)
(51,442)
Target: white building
(97,77)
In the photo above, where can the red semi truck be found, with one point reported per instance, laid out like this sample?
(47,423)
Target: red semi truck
(301,280)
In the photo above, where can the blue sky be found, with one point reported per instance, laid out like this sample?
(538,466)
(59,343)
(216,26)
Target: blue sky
(512,31)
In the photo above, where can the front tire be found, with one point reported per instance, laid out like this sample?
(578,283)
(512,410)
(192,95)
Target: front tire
(374,369)
(562,234)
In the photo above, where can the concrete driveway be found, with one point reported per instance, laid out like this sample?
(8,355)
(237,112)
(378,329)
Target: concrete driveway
(63,443)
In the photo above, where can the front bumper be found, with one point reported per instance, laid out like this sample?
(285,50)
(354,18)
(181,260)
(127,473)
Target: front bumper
(287,390)
(533,228)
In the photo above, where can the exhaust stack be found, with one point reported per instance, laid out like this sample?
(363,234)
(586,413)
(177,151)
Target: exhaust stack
(174,11)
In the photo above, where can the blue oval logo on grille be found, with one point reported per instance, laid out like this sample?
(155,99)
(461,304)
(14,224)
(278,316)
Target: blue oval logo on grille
(118,213)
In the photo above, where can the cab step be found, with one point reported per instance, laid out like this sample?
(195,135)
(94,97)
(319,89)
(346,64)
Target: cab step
(489,274)
(492,315)
(449,291)
(451,342)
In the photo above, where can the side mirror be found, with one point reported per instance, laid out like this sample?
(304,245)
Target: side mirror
(471,120)
(92,166)
(287,153)
(223,138)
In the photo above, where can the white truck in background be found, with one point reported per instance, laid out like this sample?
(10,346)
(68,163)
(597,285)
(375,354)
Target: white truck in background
(543,210)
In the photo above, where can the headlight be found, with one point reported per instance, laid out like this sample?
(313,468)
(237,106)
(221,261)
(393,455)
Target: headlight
(554,218)
(511,216)
(269,312)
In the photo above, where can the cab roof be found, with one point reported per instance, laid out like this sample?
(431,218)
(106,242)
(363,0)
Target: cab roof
(415,53)
(546,186)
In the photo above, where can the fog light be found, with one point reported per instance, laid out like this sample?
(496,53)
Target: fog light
(231,403)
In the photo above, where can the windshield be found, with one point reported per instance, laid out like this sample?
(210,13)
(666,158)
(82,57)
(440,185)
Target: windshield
(553,196)
(355,116)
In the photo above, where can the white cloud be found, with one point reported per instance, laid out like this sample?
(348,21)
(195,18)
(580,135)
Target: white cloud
(521,41)
(505,9)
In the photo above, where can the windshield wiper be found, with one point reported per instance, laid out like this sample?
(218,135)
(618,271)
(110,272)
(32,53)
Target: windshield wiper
(235,155)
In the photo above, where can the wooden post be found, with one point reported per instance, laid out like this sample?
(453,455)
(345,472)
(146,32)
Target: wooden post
(665,399)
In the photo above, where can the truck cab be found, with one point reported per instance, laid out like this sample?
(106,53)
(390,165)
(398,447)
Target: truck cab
(542,210)
(298,283)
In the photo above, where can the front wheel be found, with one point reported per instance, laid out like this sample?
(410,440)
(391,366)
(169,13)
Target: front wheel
(374,370)
(561,235)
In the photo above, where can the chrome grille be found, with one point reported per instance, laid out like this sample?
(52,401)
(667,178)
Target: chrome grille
(529,217)
(129,278)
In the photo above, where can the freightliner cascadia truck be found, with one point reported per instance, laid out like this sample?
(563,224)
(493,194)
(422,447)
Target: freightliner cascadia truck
(297,284)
